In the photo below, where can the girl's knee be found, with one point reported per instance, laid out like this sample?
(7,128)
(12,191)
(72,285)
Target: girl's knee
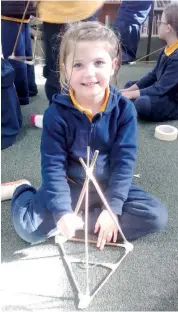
(143,107)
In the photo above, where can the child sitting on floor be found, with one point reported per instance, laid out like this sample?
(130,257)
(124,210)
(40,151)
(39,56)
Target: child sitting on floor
(91,113)
(156,95)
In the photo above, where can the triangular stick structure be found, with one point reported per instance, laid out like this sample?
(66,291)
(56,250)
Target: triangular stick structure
(85,297)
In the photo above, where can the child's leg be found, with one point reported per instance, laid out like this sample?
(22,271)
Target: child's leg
(32,221)
(143,107)
(142,214)
(52,39)
(30,69)
(9,35)
(130,16)
(156,108)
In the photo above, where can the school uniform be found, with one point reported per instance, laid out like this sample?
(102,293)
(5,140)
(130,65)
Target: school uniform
(12,12)
(11,117)
(67,131)
(158,99)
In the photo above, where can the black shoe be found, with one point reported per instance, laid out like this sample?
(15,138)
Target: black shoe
(33,93)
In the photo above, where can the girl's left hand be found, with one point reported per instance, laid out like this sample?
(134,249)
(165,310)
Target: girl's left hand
(107,229)
(131,95)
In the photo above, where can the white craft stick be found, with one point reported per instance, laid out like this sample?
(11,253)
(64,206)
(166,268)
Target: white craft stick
(85,183)
(91,176)
(87,291)
(85,298)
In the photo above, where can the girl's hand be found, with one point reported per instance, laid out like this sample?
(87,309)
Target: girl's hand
(124,90)
(107,229)
(69,223)
(131,95)
(127,94)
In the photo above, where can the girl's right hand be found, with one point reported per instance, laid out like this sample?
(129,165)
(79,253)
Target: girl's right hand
(68,224)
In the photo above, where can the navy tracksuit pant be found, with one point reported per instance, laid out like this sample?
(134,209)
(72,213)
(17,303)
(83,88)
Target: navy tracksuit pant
(142,214)
(130,16)
(11,117)
(155,108)
(24,74)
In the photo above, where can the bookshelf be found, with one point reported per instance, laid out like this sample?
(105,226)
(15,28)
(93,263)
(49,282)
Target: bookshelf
(153,19)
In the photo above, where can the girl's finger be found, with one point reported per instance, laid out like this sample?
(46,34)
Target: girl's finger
(103,242)
(100,237)
(97,226)
(115,235)
(109,237)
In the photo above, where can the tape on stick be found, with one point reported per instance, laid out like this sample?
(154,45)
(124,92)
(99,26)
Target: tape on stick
(166,133)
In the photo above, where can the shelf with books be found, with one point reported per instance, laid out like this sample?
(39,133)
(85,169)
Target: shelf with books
(158,9)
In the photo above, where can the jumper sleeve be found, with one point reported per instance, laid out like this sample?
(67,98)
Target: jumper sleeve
(167,81)
(122,160)
(54,166)
(150,78)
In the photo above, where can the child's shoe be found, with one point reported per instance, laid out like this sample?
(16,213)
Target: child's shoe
(37,120)
(8,189)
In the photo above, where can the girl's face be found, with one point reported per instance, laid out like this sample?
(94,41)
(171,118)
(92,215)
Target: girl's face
(89,69)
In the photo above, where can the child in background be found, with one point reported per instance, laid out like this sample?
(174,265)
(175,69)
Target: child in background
(90,113)
(11,18)
(55,15)
(156,95)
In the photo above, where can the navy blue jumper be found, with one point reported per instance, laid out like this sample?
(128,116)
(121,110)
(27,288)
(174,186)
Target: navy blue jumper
(158,99)
(66,134)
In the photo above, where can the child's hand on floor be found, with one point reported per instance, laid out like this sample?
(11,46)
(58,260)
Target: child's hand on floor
(107,229)
(69,223)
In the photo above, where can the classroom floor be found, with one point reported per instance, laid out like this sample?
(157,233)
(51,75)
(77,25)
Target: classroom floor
(33,278)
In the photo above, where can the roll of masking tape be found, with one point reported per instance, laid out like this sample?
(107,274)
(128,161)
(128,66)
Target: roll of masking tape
(166,133)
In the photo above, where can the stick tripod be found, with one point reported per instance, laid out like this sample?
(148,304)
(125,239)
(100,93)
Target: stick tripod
(86,297)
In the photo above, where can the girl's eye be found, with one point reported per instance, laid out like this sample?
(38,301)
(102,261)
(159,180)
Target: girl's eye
(98,63)
(78,65)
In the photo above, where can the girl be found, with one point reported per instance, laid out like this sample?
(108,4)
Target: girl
(90,113)
(156,94)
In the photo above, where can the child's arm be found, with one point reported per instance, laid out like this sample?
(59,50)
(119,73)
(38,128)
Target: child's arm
(132,88)
(167,81)
(131,95)
(54,164)
(122,159)
(149,78)
(122,162)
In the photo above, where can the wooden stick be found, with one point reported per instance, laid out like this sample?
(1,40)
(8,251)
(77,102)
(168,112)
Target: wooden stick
(90,241)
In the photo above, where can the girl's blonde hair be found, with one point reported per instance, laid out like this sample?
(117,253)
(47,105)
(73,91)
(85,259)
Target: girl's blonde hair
(87,31)
(171,14)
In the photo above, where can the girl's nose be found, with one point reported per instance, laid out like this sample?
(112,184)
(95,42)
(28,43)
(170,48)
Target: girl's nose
(90,70)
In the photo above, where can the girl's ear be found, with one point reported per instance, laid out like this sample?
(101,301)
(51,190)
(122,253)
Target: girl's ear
(170,28)
(115,64)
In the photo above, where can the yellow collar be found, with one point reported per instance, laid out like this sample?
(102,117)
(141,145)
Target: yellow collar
(88,112)
(170,49)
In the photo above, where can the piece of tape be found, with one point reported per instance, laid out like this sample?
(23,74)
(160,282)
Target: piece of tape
(166,133)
